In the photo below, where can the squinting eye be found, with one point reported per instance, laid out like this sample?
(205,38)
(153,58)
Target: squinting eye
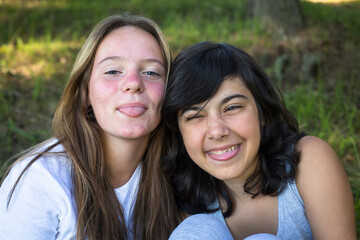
(112,72)
(192,117)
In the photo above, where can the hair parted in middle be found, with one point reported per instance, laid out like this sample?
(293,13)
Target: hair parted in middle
(100,215)
(98,218)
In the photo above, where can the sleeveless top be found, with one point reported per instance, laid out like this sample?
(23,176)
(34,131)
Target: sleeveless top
(292,221)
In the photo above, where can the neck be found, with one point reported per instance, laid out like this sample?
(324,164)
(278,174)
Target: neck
(122,158)
(236,185)
(237,189)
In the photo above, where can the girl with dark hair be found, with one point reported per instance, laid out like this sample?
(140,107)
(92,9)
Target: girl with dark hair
(236,153)
(99,177)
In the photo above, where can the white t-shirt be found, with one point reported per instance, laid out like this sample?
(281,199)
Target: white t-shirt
(42,205)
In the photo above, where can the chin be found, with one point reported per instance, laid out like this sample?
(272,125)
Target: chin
(222,177)
(133,134)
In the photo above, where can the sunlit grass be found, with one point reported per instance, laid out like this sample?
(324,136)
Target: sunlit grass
(37,58)
(345,16)
(333,119)
(331,1)
(33,3)
(31,79)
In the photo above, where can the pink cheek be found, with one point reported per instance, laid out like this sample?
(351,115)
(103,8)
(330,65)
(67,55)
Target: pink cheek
(103,92)
(161,90)
(109,86)
(157,94)
(156,87)
(191,143)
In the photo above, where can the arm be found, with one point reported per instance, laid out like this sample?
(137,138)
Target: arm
(325,190)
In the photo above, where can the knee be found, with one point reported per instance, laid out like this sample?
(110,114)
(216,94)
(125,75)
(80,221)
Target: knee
(201,226)
(262,236)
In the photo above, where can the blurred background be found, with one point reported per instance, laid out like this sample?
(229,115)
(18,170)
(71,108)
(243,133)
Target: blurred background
(310,48)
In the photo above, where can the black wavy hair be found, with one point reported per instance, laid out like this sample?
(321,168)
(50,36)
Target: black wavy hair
(195,77)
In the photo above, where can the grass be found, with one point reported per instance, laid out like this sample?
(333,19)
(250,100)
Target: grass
(316,70)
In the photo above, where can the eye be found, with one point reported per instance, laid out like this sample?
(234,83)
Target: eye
(191,117)
(112,72)
(152,74)
(232,107)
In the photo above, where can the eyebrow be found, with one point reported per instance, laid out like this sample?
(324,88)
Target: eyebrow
(228,98)
(225,100)
(118,58)
(191,108)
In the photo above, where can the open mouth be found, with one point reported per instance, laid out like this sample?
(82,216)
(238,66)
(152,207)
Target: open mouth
(219,152)
(132,109)
(224,154)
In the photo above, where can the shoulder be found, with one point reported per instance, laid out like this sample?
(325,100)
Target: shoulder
(50,172)
(52,163)
(317,161)
(316,155)
(41,202)
(325,190)
(310,144)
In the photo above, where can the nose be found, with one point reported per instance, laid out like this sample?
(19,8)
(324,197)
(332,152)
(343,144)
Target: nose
(217,128)
(132,83)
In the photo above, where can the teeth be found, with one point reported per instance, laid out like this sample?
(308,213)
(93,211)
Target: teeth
(224,151)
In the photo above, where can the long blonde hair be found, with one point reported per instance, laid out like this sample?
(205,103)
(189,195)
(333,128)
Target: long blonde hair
(100,215)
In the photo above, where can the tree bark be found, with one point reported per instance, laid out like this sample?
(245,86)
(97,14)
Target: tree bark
(282,16)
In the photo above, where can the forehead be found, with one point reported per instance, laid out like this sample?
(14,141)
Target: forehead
(231,85)
(129,41)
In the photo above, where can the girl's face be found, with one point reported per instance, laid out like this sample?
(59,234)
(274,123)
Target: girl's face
(127,84)
(223,137)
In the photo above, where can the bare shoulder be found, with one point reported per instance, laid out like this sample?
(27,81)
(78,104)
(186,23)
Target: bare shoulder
(318,161)
(310,145)
(324,187)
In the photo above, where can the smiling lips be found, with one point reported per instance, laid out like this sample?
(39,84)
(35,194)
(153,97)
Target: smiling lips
(225,154)
(133,109)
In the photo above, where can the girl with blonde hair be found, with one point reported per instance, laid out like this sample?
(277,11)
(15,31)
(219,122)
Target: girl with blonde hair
(99,177)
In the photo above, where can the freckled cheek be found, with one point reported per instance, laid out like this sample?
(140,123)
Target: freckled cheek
(157,92)
(192,142)
(190,148)
(108,87)
(103,90)
(251,128)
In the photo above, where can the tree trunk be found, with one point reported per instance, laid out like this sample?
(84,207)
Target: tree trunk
(282,16)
